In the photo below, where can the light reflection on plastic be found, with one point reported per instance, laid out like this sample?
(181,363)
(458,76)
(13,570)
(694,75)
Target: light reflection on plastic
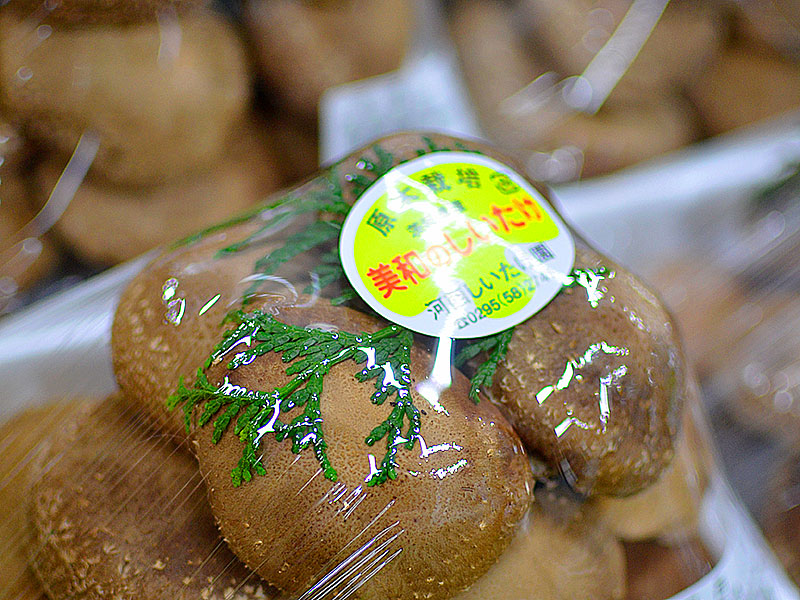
(562,427)
(573,365)
(309,437)
(285,283)
(436,209)
(171,36)
(589,280)
(269,427)
(440,378)
(25,74)
(231,389)
(605,383)
(432,207)
(330,496)
(451,470)
(389,378)
(208,305)
(569,474)
(246,340)
(370,352)
(426,450)
(350,504)
(168,289)
(43,32)
(175,306)
(345,578)
(373,467)
(244,361)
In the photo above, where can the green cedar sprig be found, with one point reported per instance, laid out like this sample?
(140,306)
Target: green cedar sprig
(312,353)
(497,347)
(374,170)
(589,279)
(314,356)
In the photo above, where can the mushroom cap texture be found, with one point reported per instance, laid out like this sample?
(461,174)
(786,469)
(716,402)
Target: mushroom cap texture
(26,440)
(170,317)
(597,390)
(158,114)
(552,560)
(430,533)
(121,514)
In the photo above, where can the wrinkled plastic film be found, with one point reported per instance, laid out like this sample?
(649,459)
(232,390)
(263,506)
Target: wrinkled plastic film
(350,519)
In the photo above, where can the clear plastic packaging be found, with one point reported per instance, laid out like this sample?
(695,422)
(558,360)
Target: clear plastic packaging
(122,124)
(563,455)
(579,88)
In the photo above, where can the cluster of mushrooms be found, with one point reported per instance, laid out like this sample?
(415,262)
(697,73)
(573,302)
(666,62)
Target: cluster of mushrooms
(516,496)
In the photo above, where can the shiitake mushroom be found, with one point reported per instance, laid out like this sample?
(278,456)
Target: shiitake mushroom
(158,115)
(433,531)
(26,441)
(121,513)
(669,509)
(595,381)
(108,224)
(549,560)
(303,48)
(298,529)
(171,315)
(659,572)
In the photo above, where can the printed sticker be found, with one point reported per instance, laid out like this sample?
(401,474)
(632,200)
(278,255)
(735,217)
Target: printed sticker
(455,244)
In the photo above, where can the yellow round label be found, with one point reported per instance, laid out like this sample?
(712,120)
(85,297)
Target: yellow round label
(455,244)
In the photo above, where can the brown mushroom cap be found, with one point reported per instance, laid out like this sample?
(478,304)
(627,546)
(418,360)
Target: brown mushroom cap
(670,508)
(303,48)
(25,441)
(657,572)
(170,317)
(108,224)
(429,533)
(156,112)
(550,561)
(151,351)
(597,390)
(80,13)
(744,85)
(781,517)
(122,514)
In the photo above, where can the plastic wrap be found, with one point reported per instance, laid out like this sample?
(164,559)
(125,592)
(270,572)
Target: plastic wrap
(353,458)
(122,124)
(579,89)
(363,468)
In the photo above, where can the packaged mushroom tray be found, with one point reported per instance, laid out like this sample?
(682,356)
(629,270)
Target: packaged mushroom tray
(404,378)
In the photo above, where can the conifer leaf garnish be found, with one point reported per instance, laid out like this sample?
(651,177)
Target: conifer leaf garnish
(589,280)
(431,146)
(309,354)
(497,347)
(375,169)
